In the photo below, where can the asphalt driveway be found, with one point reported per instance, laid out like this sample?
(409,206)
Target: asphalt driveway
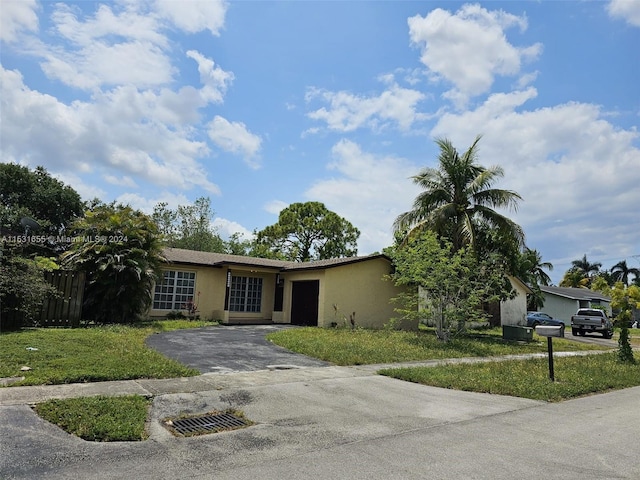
(229,349)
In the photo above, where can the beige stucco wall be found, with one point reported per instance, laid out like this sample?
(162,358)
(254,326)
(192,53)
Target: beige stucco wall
(268,292)
(514,311)
(211,299)
(360,288)
(211,283)
(357,287)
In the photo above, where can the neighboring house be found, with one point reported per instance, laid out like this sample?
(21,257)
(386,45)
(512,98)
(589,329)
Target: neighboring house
(562,302)
(248,290)
(514,311)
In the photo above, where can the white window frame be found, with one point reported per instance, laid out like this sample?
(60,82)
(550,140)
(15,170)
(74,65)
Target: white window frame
(245,294)
(174,290)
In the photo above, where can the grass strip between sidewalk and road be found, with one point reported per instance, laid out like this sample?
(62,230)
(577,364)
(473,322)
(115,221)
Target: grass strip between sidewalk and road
(92,354)
(363,347)
(100,418)
(575,376)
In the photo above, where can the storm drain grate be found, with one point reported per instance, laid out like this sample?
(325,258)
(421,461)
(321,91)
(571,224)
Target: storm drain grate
(208,423)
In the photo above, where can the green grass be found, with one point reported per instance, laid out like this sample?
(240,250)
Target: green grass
(89,354)
(360,347)
(101,419)
(575,376)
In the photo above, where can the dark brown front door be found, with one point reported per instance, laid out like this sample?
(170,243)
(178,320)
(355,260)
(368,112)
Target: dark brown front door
(304,303)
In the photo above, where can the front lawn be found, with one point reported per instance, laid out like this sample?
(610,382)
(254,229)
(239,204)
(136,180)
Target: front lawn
(361,346)
(92,354)
(575,376)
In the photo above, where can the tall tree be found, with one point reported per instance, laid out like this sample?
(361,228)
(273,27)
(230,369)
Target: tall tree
(119,249)
(458,198)
(189,226)
(37,195)
(585,267)
(307,231)
(574,279)
(620,272)
(531,269)
(581,273)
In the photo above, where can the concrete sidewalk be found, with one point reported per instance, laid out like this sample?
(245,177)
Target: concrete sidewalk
(329,423)
(275,374)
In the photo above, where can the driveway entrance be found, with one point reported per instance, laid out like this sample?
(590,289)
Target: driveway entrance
(229,348)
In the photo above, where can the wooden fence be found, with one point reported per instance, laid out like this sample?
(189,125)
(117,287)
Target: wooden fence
(64,310)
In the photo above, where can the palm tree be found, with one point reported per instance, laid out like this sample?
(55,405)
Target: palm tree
(620,272)
(585,266)
(574,279)
(458,199)
(531,267)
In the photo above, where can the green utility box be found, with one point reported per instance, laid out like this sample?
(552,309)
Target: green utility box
(516,332)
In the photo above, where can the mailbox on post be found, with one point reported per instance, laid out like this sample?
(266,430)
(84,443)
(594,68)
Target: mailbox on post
(550,331)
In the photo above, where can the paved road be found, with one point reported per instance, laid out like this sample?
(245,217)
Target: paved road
(228,348)
(355,425)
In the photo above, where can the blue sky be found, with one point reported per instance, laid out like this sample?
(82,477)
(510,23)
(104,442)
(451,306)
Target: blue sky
(258,105)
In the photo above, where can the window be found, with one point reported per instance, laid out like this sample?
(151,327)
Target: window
(175,290)
(245,294)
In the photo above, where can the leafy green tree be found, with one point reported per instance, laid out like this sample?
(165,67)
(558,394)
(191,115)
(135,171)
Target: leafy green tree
(574,279)
(581,273)
(36,194)
(23,290)
(119,248)
(189,227)
(307,231)
(620,272)
(445,284)
(458,199)
(625,300)
(600,284)
(236,245)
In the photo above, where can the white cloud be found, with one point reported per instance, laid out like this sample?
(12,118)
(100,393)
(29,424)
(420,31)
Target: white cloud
(235,138)
(469,48)
(147,205)
(275,206)
(86,190)
(214,78)
(195,16)
(348,112)
(117,130)
(16,17)
(369,190)
(108,48)
(123,43)
(100,64)
(628,10)
(226,228)
(124,181)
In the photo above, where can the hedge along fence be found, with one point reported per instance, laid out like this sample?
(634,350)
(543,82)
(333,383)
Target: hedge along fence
(63,310)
